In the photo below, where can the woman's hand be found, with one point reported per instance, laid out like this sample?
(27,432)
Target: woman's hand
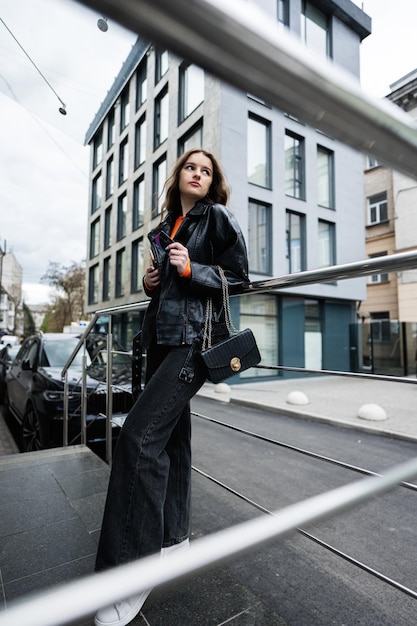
(152,277)
(178,256)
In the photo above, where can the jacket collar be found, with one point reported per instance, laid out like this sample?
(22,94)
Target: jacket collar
(199,208)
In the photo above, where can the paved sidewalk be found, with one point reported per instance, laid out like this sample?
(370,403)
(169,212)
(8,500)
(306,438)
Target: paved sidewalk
(391,406)
(7,443)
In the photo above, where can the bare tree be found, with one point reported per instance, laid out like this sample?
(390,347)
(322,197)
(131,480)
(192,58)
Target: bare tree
(28,321)
(68,304)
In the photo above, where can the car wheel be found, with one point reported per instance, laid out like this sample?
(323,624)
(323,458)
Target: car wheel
(31,433)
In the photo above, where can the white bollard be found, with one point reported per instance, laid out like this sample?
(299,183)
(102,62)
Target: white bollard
(222,388)
(372,412)
(297,397)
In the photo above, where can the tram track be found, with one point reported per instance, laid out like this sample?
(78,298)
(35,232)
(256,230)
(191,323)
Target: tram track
(376,573)
(314,455)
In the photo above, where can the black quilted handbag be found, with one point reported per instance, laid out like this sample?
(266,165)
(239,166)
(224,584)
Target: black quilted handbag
(230,356)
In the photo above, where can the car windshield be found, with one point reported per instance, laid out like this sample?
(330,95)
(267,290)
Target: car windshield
(12,351)
(56,353)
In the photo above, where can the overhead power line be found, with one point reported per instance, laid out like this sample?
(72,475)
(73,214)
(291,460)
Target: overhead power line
(63,108)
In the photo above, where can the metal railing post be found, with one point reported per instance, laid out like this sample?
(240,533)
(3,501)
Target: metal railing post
(65,418)
(84,399)
(109,397)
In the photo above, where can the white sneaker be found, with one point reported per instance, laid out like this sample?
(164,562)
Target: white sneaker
(183,545)
(122,612)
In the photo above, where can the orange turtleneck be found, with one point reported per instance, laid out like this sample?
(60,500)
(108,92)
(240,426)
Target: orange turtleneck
(178,222)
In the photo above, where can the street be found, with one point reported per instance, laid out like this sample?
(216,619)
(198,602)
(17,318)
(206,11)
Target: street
(297,579)
(316,576)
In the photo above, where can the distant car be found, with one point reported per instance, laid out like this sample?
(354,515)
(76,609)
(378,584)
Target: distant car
(35,391)
(7,354)
(9,340)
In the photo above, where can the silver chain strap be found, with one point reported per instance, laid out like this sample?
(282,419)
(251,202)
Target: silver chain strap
(209,313)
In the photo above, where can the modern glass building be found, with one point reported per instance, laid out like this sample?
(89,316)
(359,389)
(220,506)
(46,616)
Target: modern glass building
(297,193)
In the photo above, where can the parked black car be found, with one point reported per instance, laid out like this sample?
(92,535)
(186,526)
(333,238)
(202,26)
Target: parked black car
(35,391)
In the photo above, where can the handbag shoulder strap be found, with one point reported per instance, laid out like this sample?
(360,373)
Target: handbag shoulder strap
(209,312)
(226,302)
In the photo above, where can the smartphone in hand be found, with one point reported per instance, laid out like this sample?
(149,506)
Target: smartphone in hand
(164,239)
(153,262)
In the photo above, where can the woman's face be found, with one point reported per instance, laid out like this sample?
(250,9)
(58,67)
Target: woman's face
(196,177)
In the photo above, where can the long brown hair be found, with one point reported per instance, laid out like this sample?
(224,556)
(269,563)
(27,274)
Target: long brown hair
(219,189)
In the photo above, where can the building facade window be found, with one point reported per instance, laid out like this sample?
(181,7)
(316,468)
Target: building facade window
(313,336)
(96,193)
(120,273)
(259,152)
(296,242)
(191,89)
(372,162)
(124,109)
(315,32)
(140,141)
(141,84)
(95,238)
(161,118)
(375,279)
(325,177)
(294,166)
(377,209)
(192,139)
(381,326)
(123,161)
(283,13)
(98,149)
(107,228)
(138,203)
(106,278)
(111,129)
(327,244)
(158,182)
(259,312)
(137,266)
(121,216)
(109,176)
(93,285)
(259,237)
(161,64)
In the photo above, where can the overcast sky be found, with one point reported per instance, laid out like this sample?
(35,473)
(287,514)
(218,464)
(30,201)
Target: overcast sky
(43,160)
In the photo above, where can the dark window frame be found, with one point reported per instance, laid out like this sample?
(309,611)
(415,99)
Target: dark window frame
(289,239)
(298,166)
(267,261)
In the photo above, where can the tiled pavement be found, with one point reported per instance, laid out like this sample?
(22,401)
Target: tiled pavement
(7,443)
(50,511)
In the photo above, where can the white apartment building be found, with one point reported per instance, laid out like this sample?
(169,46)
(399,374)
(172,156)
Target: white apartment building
(297,193)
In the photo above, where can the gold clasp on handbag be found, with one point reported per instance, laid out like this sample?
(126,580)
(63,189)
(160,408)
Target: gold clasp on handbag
(235,364)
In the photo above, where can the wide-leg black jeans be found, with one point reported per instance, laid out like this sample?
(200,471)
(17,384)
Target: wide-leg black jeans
(148,499)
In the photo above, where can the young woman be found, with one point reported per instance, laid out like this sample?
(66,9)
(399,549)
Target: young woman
(148,500)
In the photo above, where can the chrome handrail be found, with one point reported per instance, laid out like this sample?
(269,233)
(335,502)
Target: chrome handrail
(306,370)
(124,308)
(240,44)
(394,262)
(389,263)
(400,261)
(81,598)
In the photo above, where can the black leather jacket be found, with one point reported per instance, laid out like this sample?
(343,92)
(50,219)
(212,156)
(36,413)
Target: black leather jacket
(176,312)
